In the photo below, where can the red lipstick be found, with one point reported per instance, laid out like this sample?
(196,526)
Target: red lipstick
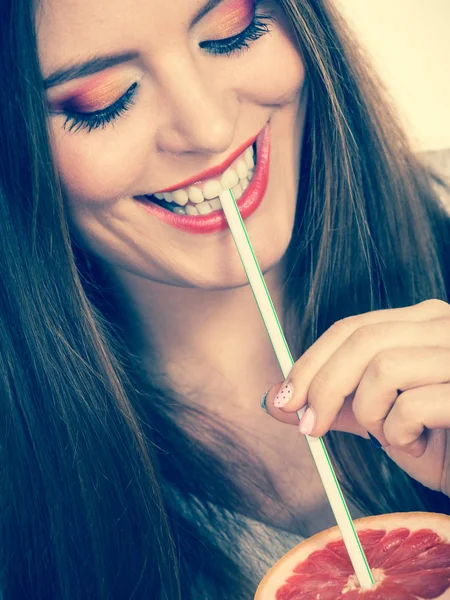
(247,204)
(212,172)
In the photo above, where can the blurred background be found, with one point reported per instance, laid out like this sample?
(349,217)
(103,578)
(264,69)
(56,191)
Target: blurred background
(409,42)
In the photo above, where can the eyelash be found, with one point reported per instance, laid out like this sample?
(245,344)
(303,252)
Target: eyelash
(259,26)
(74,122)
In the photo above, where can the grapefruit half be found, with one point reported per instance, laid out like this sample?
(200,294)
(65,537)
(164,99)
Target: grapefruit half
(408,553)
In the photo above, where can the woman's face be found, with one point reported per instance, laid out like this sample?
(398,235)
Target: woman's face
(171,97)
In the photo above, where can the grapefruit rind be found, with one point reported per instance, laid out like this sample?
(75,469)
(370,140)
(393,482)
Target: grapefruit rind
(284,568)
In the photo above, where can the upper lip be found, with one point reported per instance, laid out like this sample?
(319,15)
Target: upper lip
(211,172)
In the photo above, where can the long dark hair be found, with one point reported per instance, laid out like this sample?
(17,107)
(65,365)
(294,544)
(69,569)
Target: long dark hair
(102,494)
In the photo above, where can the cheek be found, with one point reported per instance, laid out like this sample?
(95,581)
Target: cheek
(103,165)
(277,74)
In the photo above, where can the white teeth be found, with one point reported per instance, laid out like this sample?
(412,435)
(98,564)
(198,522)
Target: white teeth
(229,179)
(180,197)
(235,178)
(179,210)
(195,195)
(204,208)
(211,189)
(237,192)
(249,159)
(215,204)
(242,169)
(191,210)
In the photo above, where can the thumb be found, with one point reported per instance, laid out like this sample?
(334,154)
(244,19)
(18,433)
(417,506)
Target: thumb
(276,413)
(345,420)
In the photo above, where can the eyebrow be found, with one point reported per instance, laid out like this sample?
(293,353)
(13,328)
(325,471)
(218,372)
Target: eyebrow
(96,64)
(89,67)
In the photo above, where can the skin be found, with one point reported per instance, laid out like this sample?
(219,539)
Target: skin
(192,110)
(386,372)
(184,293)
(193,319)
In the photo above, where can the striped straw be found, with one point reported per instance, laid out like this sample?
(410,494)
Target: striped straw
(285,360)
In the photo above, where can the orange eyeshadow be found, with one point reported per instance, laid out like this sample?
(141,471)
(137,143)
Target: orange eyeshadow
(96,94)
(233,16)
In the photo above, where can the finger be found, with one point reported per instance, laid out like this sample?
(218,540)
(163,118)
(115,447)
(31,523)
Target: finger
(276,413)
(342,373)
(416,411)
(345,420)
(315,357)
(389,375)
(429,468)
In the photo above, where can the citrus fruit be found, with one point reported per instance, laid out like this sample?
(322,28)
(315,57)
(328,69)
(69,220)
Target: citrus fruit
(408,553)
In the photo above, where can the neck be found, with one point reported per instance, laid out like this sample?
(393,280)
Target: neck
(204,340)
(211,347)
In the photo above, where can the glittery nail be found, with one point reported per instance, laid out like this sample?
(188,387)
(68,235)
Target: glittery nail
(264,403)
(284,395)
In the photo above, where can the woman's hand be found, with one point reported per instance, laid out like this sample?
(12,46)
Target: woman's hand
(385,372)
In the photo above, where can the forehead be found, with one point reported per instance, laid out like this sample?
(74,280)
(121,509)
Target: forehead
(67,29)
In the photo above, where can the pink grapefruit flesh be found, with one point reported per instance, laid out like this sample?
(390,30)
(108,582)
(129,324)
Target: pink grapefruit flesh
(408,553)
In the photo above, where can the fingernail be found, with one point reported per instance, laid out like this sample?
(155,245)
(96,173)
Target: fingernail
(374,441)
(307,422)
(416,449)
(263,403)
(284,395)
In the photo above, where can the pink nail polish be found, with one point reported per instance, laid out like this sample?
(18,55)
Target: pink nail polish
(284,395)
(307,422)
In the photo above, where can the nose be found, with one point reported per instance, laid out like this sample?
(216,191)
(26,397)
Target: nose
(197,117)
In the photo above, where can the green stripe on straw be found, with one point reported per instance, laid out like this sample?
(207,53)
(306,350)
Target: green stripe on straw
(285,360)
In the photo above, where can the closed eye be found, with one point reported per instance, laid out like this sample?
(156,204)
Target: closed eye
(259,26)
(76,121)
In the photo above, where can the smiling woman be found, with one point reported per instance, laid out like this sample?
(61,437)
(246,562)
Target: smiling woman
(192,91)
(135,460)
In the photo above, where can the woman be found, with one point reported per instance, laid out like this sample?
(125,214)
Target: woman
(133,357)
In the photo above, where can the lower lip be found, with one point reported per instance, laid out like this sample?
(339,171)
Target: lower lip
(247,204)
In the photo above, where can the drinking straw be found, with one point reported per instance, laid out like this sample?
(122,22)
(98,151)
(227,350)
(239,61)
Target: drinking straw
(285,360)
